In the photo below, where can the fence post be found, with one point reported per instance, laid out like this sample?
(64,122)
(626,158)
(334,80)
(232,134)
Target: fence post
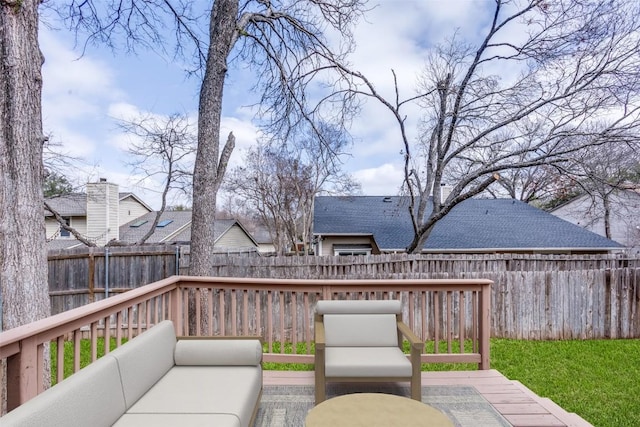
(485,326)
(106,273)
(92,273)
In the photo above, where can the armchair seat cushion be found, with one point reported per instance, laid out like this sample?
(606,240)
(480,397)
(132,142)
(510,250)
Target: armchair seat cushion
(366,362)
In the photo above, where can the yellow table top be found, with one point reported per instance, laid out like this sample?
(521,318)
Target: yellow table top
(375,409)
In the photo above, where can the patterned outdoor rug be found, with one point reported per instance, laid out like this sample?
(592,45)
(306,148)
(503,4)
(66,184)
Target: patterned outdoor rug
(288,405)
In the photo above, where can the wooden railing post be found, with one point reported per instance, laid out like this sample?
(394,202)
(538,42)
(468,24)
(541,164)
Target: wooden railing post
(22,373)
(175,309)
(485,326)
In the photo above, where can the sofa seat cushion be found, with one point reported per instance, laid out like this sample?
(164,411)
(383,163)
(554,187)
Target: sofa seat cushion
(179,420)
(366,362)
(204,390)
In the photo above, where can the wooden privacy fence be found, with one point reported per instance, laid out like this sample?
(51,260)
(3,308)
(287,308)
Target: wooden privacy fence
(454,313)
(84,275)
(535,296)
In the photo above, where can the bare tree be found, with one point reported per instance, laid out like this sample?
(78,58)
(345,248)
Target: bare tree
(282,41)
(280,182)
(162,148)
(569,79)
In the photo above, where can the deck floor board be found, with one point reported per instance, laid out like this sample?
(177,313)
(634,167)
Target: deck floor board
(519,405)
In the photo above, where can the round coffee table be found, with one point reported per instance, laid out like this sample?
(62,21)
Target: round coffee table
(374,409)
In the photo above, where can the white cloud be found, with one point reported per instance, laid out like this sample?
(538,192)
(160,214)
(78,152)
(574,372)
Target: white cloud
(384,180)
(73,97)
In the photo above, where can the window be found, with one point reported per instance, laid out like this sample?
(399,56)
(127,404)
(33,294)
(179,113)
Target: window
(351,250)
(164,223)
(63,232)
(138,223)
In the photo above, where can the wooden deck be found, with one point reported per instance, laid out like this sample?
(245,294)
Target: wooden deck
(519,405)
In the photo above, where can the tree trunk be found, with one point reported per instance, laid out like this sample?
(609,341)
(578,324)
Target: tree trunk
(23,261)
(207,175)
(24,293)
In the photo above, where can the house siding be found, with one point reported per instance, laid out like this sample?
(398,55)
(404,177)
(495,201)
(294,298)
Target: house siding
(234,238)
(130,209)
(624,217)
(102,212)
(77,222)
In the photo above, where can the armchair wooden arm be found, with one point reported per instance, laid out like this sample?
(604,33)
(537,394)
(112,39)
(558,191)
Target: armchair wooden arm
(320,344)
(416,346)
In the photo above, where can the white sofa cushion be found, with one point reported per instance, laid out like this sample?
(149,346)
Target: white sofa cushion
(204,389)
(91,397)
(220,352)
(360,330)
(366,362)
(145,359)
(178,420)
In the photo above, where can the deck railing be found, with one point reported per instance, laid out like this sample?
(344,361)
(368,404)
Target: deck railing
(451,316)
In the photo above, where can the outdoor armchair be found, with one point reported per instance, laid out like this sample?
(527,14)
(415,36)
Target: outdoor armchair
(359,341)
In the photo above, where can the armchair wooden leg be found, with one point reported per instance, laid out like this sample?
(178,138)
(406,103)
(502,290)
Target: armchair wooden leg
(320,388)
(416,390)
(416,375)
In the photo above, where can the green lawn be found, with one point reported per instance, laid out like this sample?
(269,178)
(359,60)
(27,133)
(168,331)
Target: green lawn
(597,379)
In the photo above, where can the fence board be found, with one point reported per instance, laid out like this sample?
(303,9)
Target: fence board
(535,296)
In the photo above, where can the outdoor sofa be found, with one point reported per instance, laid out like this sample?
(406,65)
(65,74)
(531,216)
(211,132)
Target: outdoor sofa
(156,380)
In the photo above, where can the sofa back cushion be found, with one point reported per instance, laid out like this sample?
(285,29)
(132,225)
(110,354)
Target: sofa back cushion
(145,359)
(90,397)
(360,330)
(218,352)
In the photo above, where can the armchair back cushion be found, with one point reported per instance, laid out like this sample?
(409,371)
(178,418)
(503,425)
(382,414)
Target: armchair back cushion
(360,330)
(360,323)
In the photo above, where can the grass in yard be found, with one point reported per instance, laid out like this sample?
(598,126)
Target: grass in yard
(85,355)
(597,379)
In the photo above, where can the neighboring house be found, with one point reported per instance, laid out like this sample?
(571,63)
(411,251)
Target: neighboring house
(97,214)
(362,225)
(264,240)
(174,227)
(624,215)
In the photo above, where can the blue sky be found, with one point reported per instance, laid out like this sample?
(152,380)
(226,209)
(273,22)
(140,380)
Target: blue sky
(83,95)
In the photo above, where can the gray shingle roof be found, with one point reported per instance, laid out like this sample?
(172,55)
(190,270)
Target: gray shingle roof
(179,220)
(497,224)
(179,230)
(73,204)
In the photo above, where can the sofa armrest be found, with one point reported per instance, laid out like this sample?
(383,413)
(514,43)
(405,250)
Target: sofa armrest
(228,351)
